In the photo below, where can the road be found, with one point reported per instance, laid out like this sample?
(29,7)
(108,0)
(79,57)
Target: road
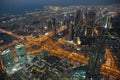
(20,39)
(45,42)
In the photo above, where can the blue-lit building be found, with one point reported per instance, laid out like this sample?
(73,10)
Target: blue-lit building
(8,59)
(21,52)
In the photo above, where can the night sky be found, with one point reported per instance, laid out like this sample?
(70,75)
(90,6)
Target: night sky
(71,2)
(12,5)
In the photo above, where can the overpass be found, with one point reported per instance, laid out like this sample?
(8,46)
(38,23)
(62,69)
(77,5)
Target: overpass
(20,39)
(46,42)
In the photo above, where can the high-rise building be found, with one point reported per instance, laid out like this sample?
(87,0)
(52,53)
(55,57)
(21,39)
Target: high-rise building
(90,17)
(79,17)
(108,24)
(21,52)
(49,23)
(54,25)
(65,19)
(71,18)
(71,32)
(8,60)
(97,55)
(79,73)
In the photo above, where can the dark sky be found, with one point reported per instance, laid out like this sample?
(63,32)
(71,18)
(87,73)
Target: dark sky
(50,2)
(19,4)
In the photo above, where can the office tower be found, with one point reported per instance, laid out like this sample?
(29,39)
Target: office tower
(71,18)
(79,73)
(49,23)
(96,59)
(21,52)
(90,21)
(79,18)
(68,20)
(79,23)
(54,25)
(97,54)
(115,21)
(108,24)
(71,33)
(90,17)
(65,19)
(8,60)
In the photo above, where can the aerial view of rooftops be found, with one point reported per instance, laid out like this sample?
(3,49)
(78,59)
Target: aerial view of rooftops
(59,39)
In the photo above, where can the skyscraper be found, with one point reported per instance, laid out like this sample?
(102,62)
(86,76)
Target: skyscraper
(71,33)
(21,52)
(90,21)
(49,23)
(8,59)
(65,19)
(54,25)
(97,55)
(79,17)
(90,17)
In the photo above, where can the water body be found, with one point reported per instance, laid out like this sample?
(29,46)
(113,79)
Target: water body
(20,6)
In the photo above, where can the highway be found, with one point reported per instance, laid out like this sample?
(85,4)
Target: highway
(20,39)
(46,42)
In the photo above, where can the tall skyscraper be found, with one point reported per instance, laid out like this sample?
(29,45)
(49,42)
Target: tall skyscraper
(21,52)
(79,17)
(8,60)
(90,21)
(54,25)
(90,17)
(71,33)
(71,18)
(97,55)
(49,23)
(65,19)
